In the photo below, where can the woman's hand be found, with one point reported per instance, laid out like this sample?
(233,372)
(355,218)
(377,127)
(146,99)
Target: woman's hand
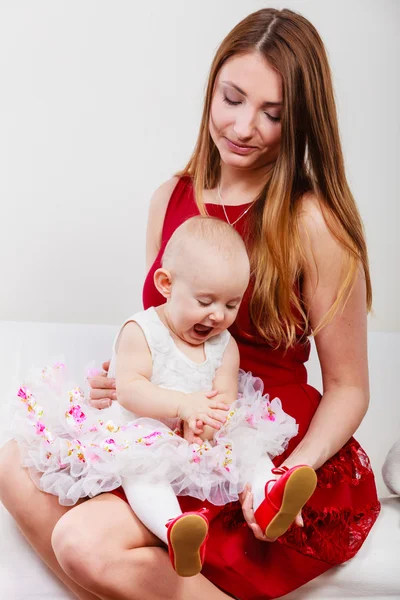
(102,392)
(246,500)
(202,406)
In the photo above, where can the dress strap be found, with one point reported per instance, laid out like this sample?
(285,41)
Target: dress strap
(155,332)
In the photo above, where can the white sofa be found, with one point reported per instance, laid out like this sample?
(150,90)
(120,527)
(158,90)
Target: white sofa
(373,573)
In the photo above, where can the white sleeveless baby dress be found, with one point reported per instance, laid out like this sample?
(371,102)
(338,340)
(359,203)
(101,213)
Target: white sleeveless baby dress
(73,450)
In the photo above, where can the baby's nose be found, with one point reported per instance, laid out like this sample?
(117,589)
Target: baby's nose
(217,316)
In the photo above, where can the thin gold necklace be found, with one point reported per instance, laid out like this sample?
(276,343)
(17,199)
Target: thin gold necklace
(219,195)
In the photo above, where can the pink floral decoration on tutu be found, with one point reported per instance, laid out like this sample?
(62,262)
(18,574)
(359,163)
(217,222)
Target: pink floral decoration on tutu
(24,393)
(76,414)
(34,409)
(111,446)
(78,448)
(76,395)
(42,431)
(148,440)
(228,459)
(34,412)
(270,414)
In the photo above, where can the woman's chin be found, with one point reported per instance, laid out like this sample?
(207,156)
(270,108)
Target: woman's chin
(230,159)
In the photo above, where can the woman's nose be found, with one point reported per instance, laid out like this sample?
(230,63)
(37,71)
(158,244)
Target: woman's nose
(244,126)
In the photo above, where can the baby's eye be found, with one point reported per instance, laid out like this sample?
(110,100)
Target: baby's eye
(231,307)
(203,303)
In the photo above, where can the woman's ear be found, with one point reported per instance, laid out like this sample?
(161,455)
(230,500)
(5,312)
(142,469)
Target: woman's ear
(163,282)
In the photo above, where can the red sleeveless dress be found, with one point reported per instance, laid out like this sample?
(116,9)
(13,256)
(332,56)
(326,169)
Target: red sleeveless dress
(342,510)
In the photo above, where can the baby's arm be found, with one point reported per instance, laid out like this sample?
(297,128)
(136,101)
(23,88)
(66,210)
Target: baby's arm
(136,393)
(225,381)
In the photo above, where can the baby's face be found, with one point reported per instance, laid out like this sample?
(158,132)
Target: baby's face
(205,299)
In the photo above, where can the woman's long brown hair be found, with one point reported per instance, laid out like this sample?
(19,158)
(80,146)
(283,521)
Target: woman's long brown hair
(310,159)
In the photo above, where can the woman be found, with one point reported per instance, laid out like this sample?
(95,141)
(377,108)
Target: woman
(268,160)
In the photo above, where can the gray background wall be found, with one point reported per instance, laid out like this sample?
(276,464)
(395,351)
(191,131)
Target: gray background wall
(100,103)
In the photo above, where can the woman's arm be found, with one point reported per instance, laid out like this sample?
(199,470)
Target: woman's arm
(225,382)
(155,219)
(341,345)
(342,351)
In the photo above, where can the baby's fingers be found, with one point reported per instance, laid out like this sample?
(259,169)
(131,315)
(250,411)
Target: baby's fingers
(192,425)
(219,415)
(220,405)
(207,420)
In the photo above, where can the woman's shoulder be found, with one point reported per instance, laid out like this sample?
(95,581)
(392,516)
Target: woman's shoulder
(323,250)
(315,225)
(161,196)
(156,216)
(311,216)
(178,188)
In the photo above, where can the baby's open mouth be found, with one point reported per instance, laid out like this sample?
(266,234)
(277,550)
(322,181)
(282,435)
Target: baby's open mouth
(202,330)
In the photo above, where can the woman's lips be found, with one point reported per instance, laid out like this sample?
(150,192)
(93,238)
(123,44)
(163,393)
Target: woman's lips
(237,148)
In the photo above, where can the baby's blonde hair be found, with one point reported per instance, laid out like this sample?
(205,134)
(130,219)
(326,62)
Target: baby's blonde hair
(215,234)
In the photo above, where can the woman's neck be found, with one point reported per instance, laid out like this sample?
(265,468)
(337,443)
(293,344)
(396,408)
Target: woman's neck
(239,186)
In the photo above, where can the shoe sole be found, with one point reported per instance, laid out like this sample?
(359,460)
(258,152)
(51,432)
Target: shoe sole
(186,537)
(299,488)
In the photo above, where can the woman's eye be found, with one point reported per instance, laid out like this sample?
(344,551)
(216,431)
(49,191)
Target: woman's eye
(231,102)
(231,307)
(273,119)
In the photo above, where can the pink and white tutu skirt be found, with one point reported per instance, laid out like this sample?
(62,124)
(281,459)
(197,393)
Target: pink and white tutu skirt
(74,451)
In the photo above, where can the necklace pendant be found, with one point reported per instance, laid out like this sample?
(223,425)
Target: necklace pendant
(219,195)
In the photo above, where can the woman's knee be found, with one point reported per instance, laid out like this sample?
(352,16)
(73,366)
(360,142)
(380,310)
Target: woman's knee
(92,564)
(78,554)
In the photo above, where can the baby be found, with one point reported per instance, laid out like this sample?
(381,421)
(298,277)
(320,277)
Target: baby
(175,365)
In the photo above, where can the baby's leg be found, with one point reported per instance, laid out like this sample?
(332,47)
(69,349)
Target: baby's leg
(262,474)
(186,535)
(153,503)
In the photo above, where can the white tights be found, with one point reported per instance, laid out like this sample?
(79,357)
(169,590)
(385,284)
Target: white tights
(156,503)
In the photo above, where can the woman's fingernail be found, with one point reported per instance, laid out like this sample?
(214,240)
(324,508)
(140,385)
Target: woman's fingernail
(114,395)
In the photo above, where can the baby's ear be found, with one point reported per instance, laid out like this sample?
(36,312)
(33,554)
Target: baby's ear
(163,282)
(391,469)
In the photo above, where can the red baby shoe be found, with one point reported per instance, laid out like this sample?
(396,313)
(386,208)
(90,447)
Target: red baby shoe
(285,499)
(187,537)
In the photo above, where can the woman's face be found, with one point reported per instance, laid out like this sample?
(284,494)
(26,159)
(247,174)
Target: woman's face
(246,111)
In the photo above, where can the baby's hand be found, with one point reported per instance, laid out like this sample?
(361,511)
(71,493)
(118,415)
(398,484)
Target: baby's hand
(205,407)
(191,437)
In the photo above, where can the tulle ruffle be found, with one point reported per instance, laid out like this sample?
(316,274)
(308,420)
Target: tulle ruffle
(73,450)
